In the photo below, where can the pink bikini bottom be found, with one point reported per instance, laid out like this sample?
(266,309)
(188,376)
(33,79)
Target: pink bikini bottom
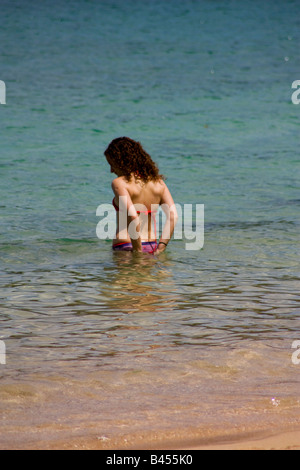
(147,247)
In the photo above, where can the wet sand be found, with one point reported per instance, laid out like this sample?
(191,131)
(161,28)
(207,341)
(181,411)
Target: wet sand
(234,401)
(289,440)
(283,441)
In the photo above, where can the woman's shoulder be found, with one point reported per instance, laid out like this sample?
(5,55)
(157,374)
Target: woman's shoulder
(159,185)
(156,186)
(118,182)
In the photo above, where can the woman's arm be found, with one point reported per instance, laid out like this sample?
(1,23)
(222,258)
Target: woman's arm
(127,213)
(169,208)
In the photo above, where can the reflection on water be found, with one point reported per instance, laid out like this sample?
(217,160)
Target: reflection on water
(180,333)
(85,311)
(125,303)
(139,283)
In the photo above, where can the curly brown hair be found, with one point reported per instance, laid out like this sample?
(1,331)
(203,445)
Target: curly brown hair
(130,157)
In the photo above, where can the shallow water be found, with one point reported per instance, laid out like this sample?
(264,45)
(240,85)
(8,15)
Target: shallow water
(123,348)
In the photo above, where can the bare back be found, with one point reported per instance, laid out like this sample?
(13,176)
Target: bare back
(150,195)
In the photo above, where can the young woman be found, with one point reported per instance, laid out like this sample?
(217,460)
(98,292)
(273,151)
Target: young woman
(139,190)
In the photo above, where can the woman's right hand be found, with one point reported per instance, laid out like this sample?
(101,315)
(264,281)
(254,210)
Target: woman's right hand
(160,248)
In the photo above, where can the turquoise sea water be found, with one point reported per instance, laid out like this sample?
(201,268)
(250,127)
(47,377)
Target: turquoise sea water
(119,348)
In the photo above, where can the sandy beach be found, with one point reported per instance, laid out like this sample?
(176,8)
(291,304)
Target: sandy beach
(289,440)
(284,441)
